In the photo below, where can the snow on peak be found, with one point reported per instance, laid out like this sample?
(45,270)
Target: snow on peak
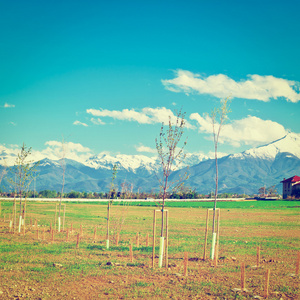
(290,143)
(134,162)
(127,162)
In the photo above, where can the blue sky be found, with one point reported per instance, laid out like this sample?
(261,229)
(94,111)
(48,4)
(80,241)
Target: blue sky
(104,75)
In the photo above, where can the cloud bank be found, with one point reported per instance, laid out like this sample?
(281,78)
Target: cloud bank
(146,116)
(142,148)
(263,88)
(248,131)
(7,105)
(80,123)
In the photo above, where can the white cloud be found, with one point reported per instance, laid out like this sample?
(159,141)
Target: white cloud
(80,123)
(53,151)
(73,151)
(7,105)
(69,145)
(147,115)
(125,114)
(97,121)
(145,149)
(248,131)
(13,123)
(263,88)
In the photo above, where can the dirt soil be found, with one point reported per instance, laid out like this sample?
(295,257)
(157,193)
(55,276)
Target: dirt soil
(115,277)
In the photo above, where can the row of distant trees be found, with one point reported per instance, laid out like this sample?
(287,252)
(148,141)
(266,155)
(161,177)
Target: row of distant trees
(188,194)
(269,192)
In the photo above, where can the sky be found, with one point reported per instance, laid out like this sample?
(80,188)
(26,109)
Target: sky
(103,75)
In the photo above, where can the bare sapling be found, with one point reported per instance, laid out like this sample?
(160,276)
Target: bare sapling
(153,239)
(167,238)
(120,211)
(24,172)
(206,232)
(63,166)
(14,214)
(55,216)
(218,118)
(24,215)
(111,195)
(171,156)
(64,218)
(4,172)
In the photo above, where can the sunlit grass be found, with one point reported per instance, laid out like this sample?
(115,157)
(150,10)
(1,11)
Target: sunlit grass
(241,232)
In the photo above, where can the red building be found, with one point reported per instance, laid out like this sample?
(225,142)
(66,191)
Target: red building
(291,186)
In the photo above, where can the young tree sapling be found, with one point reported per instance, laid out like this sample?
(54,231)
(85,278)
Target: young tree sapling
(171,157)
(218,119)
(24,171)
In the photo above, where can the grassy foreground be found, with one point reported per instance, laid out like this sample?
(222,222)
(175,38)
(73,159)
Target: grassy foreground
(34,267)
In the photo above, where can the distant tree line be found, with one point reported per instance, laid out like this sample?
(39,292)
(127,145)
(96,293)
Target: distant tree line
(114,194)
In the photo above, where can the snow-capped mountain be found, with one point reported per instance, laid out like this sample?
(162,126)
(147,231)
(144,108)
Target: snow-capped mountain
(287,144)
(134,163)
(246,172)
(243,172)
(105,161)
(126,162)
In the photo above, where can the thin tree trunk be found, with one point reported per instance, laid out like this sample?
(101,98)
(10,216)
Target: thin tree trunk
(15,213)
(216,190)
(163,207)
(20,214)
(20,206)
(108,216)
(62,190)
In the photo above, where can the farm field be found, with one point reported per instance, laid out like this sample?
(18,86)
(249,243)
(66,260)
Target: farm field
(32,266)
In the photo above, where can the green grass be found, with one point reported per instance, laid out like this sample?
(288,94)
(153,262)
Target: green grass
(278,204)
(81,212)
(34,260)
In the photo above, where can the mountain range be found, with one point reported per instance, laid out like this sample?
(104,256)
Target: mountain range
(244,172)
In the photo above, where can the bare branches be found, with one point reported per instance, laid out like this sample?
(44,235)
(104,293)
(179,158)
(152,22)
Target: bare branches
(170,155)
(62,162)
(23,170)
(110,196)
(218,118)
(111,193)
